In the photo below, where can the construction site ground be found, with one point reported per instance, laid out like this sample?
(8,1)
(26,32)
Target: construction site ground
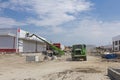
(15,67)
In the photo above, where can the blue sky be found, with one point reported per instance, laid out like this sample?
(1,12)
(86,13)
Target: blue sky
(65,21)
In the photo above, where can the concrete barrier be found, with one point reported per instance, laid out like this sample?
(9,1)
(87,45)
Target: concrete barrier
(32,57)
(114,73)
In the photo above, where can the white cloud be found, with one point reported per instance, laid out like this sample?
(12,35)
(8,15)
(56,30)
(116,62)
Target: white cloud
(17,5)
(88,31)
(49,12)
(96,32)
(9,22)
(54,12)
(57,30)
(57,12)
(53,20)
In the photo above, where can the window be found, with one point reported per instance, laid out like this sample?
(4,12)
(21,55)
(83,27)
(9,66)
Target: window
(119,48)
(116,49)
(116,42)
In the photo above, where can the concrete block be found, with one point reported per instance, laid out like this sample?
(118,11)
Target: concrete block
(32,58)
(114,73)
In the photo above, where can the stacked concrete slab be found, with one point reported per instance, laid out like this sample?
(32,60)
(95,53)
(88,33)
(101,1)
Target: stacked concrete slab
(114,73)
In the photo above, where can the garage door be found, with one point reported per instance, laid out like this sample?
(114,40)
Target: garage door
(29,46)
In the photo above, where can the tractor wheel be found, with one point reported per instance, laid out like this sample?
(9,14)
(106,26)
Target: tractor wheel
(85,58)
(73,59)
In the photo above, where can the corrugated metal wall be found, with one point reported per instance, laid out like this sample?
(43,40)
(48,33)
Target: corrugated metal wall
(12,39)
(31,46)
(8,39)
(41,47)
(7,42)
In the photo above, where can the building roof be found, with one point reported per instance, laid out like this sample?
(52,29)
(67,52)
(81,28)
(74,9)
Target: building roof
(8,34)
(14,32)
(28,39)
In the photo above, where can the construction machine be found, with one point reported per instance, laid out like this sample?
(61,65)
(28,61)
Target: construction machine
(79,52)
(55,50)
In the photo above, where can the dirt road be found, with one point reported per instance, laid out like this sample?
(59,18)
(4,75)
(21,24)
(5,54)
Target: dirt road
(14,67)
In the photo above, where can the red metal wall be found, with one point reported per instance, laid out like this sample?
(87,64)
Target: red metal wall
(57,45)
(7,50)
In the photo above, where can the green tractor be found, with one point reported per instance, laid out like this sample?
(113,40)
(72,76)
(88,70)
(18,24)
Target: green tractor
(79,52)
(56,50)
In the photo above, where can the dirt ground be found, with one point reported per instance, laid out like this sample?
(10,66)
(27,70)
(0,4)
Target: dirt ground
(15,67)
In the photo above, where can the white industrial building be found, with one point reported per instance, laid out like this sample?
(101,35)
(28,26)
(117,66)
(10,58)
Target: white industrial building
(116,43)
(15,40)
